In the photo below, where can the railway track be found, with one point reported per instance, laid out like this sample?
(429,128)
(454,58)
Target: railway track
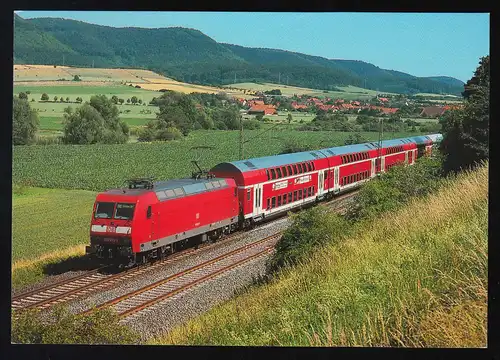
(144,298)
(95,280)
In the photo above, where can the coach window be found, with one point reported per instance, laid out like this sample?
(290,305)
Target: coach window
(273,202)
(308,166)
(313,190)
(290,172)
(267,173)
(273,174)
(314,167)
(295,195)
(284,199)
(289,197)
(268,203)
(248,194)
(279,200)
(278,170)
(283,170)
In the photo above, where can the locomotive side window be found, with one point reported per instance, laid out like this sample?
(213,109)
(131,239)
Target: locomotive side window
(148,213)
(104,210)
(124,211)
(248,194)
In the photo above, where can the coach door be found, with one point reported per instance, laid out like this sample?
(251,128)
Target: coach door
(336,184)
(257,199)
(321,182)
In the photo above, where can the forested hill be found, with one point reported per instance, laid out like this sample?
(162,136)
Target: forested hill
(191,56)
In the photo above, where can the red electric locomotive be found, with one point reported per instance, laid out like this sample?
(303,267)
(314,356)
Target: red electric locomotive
(149,220)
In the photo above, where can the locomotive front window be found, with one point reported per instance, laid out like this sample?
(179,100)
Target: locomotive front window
(104,210)
(124,211)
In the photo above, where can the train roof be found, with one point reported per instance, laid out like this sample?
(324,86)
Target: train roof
(170,189)
(286,159)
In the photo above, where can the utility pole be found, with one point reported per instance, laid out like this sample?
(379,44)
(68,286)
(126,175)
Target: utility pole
(92,63)
(241,138)
(235,77)
(63,59)
(279,78)
(380,136)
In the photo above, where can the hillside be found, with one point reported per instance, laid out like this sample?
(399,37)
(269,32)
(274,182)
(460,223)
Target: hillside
(416,277)
(189,55)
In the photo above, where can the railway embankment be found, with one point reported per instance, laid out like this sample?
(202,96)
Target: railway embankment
(412,272)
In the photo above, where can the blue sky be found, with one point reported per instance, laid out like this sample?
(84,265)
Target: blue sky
(421,44)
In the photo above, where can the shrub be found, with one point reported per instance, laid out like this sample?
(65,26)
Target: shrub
(100,327)
(396,187)
(310,228)
(251,124)
(44,97)
(170,133)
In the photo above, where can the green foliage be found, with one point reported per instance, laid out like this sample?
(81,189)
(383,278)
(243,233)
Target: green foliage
(329,122)
(356,138)
(55,98)
(310,229)
(273,92)
(76,78)
(396,187)
(25,122)
(23,96)
(94,122)
(134,99)
(100,327)
(44,97)
(289,118)
(79,100)
(170,133)
(121,101)
(466,131)
(251,124)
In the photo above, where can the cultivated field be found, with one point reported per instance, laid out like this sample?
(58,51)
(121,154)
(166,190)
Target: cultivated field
(348,92)
(23,73)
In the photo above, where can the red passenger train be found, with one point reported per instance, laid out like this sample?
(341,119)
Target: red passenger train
(151,219)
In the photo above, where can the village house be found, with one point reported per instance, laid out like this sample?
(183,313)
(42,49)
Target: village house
(263,109)
(432,111)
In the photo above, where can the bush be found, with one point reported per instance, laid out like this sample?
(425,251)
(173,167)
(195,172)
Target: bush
(396,187)
(44,97)
(76,78)
(310,228)
(146,134)
(251,124)
(100,327)
(170,133)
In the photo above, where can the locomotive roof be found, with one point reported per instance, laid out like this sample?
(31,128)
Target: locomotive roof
(166,190)
(285,159)
(170,189)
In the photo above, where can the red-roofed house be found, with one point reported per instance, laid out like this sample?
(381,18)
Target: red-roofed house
(262,109)
(385,110)
(383,100)
(432,111)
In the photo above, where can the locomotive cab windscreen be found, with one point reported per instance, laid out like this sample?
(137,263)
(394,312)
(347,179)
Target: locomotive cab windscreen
(117,211)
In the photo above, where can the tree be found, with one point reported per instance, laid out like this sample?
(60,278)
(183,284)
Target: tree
(121,101)
(128,101)
(76,78)
(466,131)
(25,122)
(79,100)
(44,97)
(23,96)
(114,99)
(140,101)
(134,99)
(55,98)
(289,118)
(67,98)
(84,126)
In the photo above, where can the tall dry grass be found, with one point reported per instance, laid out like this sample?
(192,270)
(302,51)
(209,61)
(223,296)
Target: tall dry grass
(413,278)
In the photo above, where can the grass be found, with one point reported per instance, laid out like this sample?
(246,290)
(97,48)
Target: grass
(415,278)
(47,225)
(97,167)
